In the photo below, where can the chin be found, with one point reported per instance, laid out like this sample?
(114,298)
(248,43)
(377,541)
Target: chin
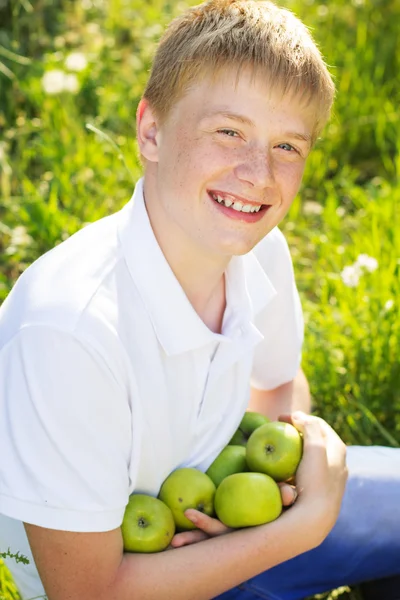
(238,248)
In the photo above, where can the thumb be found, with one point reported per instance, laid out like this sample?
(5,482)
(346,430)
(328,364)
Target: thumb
(309,426)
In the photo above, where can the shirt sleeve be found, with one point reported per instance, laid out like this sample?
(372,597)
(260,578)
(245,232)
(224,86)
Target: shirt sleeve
(65,433)
(278,356)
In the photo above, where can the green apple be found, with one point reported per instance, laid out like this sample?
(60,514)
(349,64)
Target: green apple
(275,449)
(232,459)
(249,423)
(187,488)
(148,524)
(247,499)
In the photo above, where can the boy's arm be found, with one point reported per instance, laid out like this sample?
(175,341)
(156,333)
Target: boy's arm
(93,566)
(285,399)
(74,566)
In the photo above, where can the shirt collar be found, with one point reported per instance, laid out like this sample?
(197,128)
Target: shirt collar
(177,325)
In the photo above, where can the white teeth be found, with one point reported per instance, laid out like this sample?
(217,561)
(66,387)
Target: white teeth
(239,206)
(221,200)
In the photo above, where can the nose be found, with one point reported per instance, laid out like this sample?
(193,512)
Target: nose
(256,169)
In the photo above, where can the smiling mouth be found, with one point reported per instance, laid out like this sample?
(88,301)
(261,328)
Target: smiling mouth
(238,205)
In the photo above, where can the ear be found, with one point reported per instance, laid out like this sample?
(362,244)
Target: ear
(147,131)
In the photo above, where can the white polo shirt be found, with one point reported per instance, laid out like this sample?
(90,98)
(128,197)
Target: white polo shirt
(109,379)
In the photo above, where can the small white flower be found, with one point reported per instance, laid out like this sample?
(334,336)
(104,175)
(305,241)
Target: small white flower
(20,236)
(57,81)
(350,275)
(76,61)
(53,81)
(367,262)
(312,208)
(340,211)
(389,304)
(71,83)
(322,11)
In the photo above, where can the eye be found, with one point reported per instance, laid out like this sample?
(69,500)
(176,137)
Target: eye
(287,147)
(228,132)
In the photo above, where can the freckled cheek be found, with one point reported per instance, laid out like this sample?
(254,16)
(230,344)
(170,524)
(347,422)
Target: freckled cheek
(203,163)
(188,154)
(189,158)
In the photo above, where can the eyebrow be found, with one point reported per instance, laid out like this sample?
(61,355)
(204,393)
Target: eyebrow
(229,115)
(304,137)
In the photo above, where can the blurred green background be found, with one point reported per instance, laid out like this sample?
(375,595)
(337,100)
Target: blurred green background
(71,75)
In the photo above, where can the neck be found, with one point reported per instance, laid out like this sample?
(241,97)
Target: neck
(200,275)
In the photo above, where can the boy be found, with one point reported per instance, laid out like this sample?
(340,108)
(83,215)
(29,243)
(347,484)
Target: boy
(128,350)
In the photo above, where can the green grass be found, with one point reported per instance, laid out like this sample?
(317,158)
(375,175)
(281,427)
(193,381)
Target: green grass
(8,590)
(57,174)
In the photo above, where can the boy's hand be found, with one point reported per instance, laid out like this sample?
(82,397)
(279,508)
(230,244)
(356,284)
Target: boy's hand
(209,527)
(322,474)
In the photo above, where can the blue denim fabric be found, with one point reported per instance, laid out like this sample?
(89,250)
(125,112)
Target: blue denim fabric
(364,544)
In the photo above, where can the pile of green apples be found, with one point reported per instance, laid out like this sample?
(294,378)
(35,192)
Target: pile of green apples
(240,487)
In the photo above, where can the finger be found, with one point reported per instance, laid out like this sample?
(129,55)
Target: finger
(288,494)
(328,431)
(314,459)
(310,427)
(207,524)
(185,538)
(299,418)
(316,427)
(287,418)
(336,449)
(302,420)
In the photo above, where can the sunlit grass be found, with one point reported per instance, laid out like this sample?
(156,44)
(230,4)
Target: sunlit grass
(353,331)
(8,590)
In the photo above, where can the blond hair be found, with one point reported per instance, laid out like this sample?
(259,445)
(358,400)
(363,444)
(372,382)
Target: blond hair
(239,33)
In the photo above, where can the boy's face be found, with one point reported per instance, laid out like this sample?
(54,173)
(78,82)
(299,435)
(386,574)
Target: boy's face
(228,144)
